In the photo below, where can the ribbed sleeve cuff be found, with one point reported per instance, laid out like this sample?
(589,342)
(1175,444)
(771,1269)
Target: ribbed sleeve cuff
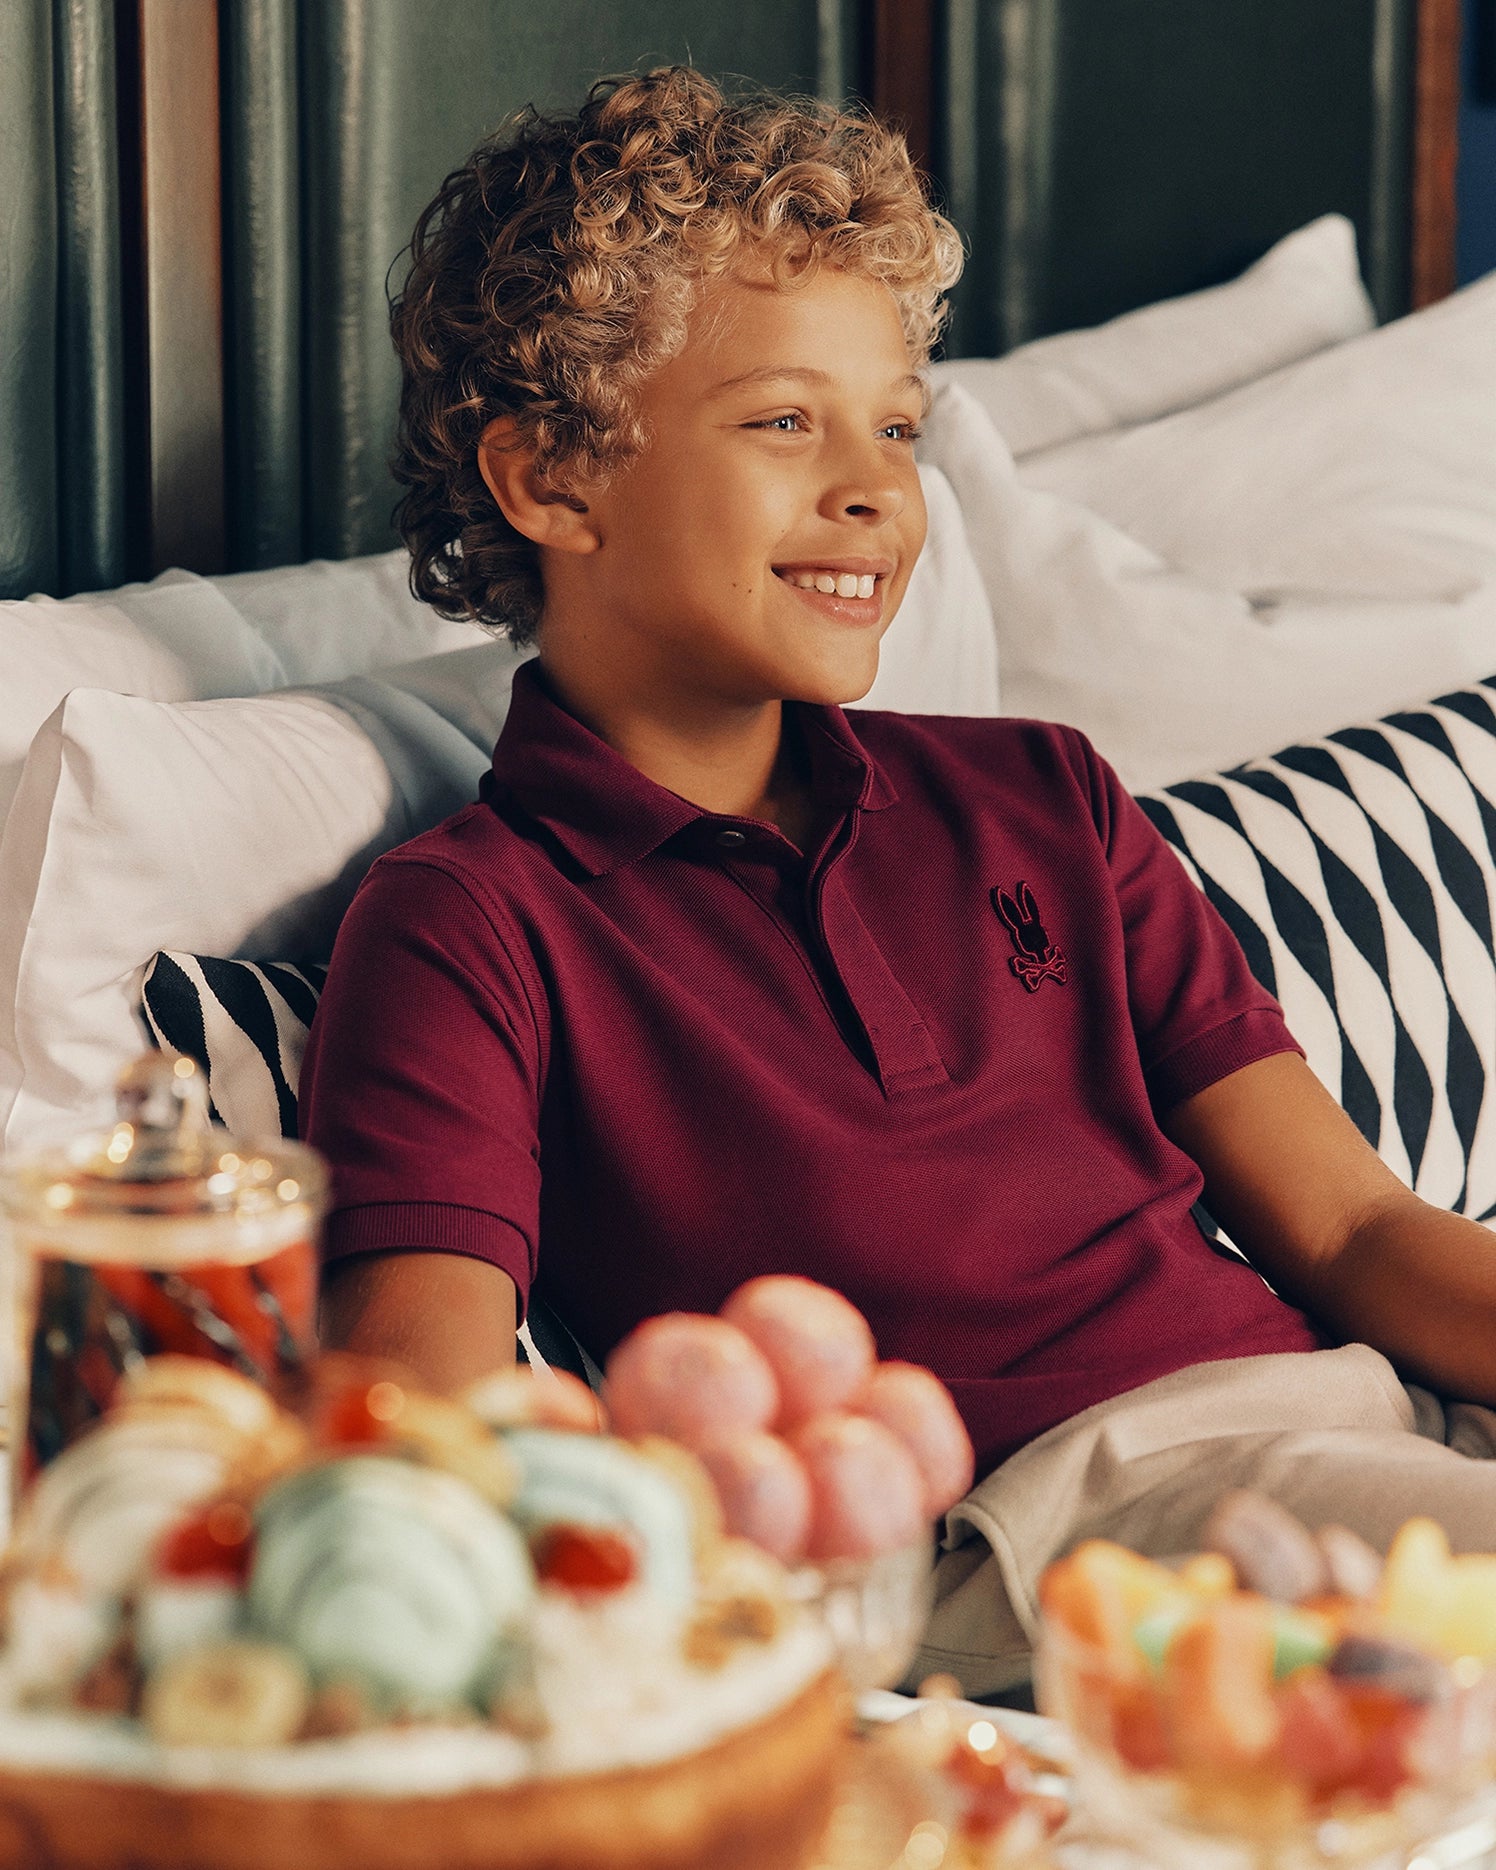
(429,1227)
(1258,1033)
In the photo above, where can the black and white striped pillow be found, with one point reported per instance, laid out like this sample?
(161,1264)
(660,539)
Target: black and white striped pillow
(246,1024)
(1359,874)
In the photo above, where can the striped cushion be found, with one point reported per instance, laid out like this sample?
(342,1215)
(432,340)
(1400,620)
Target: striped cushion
(1359,874)
(245,1022)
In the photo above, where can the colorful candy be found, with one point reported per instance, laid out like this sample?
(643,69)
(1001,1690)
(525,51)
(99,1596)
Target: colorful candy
(750,1391)
(764,1489)
(1272,1553)
(818,1343)
(690,1377)
(866,1493)
(917,1407)
(1273,1703)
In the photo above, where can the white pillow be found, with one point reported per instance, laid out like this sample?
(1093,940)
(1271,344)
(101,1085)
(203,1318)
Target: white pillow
(1302,296)
(1369,470)
(171,640)
(939,655)
(335,617)
(224,827)
(1167,673)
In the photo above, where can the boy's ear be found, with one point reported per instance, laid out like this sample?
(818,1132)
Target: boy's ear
(549,514)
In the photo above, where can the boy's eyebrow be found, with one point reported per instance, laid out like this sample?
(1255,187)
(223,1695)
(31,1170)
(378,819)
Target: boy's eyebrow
(791,373)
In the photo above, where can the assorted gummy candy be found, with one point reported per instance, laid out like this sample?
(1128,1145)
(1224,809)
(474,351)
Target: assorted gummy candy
(1279,1676)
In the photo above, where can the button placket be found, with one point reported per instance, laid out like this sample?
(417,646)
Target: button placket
(905,1052)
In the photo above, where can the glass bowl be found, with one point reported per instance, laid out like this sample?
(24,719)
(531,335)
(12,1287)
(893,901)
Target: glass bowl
(874,1609)
(1342,1773)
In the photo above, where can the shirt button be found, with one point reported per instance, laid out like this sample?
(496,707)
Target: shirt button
(730,840)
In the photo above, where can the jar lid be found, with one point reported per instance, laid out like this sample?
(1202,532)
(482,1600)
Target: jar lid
(165,1184)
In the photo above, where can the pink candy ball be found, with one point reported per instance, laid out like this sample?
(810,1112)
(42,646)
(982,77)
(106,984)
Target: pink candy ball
(690,1377)
(764,1490)
(866,1493)
(818,1343)
(918,1408)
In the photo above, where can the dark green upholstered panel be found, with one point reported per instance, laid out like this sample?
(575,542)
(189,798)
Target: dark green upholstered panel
(29,551)
(62,420)
(390,94)
(91,403)
(1100,154)
(262,281)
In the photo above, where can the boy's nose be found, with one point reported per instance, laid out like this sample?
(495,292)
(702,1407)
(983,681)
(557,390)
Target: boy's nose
(869,491)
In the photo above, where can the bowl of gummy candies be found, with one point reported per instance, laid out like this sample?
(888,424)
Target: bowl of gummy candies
(1291,1693)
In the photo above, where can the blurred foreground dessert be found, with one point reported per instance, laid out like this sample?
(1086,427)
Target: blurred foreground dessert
(1280,1687)
(384,1630)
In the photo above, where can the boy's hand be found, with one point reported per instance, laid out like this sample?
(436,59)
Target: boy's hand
(1327,1223)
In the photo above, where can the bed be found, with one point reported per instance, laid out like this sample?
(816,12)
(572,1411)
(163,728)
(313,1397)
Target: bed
(1211,466)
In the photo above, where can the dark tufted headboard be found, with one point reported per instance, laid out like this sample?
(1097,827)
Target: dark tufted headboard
(202,199)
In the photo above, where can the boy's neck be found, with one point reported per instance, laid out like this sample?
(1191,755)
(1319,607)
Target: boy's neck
(743,763)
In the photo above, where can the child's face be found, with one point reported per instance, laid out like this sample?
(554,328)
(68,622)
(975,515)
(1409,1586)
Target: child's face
(780,455)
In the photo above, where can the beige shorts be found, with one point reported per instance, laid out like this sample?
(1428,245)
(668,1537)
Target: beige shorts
(1334,1435)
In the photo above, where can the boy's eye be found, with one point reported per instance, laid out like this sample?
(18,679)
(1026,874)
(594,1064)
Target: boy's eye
(788,424)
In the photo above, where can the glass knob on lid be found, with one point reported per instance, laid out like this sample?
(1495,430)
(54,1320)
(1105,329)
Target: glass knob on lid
(164,1130)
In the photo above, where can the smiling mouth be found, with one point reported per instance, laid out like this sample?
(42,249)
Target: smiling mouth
(831,583)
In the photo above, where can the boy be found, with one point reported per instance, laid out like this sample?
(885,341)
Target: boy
(715,981)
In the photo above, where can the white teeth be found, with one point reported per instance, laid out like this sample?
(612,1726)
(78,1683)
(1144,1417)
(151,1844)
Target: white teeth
(834,583)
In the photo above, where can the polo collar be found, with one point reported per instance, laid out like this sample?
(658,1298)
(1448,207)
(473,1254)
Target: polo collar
(605,813)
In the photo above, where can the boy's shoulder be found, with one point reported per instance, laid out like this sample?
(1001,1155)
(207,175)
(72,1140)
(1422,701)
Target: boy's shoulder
(469,849)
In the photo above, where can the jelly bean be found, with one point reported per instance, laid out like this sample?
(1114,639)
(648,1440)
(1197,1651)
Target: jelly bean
(917,1406)
(1140,1733)
(1413,1598)
(1154,1633)
(1397,1668)
(691,1377)
(818,1343)
(1353,1568)
(1208,1574)
(764,1489)
(866,1495)
(1273,1554)
(1299,1639)
(1100,1593)
(1320,1744)
(1217,1686)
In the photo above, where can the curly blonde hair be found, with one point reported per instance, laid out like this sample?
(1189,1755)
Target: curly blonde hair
(557,269)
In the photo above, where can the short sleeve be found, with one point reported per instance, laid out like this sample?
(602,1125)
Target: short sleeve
(1197,1010)
(421,1085)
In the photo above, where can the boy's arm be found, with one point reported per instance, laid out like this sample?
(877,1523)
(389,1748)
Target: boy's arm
(1328,1224)
(449,1318)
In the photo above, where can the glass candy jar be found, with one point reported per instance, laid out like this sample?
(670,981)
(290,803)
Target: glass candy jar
(164,1234)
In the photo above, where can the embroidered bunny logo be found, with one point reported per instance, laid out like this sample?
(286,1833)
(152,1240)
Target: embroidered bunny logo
(1037,959)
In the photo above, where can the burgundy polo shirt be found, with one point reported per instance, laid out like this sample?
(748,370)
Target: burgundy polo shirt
(634,1052)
